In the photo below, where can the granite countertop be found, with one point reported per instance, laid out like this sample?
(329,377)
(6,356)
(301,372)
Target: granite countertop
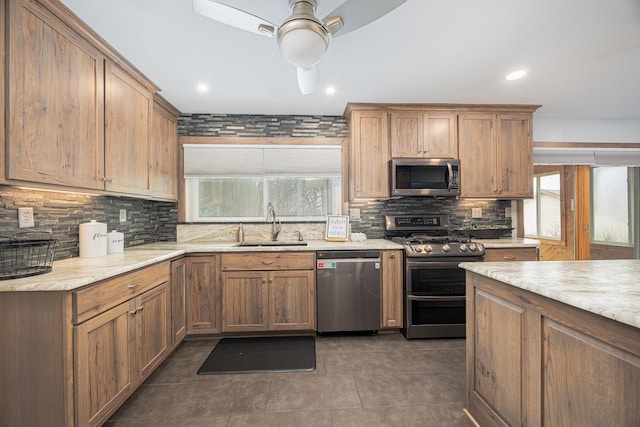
(73,273)
(508,243)
(608,288)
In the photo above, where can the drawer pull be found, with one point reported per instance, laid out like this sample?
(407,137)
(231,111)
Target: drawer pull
(509,258)
(267,262)
(140,308)
(135,285)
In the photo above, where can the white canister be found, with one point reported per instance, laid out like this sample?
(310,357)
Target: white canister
(115,242)
(93,239)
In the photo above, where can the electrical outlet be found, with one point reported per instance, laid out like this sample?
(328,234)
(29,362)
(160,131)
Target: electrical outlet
(476,212)
(354,213)
(123,215)
(25,217)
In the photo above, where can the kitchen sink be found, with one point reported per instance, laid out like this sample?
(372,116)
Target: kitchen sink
(254,243)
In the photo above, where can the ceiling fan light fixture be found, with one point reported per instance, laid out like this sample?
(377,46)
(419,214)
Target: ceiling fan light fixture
(303,42)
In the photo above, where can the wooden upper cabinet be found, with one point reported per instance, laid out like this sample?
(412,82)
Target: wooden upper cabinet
(420,134)
(369,155)
(163,166)
(128,111)
(496,155)
(55,102)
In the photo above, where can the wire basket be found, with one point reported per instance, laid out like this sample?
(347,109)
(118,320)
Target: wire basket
(26,254)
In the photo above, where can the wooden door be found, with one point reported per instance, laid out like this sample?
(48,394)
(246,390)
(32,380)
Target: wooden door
(178,303)
(407,134)
(514,161)
(392,289)
(103,355)
(440,135)
(55,102)
(128,111)
(163,173)
(152,329)
(583,213)
(292,300)
(203,297)
(369,155)
(477,149)
(244,301)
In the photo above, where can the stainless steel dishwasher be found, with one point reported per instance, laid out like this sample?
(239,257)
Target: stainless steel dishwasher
(348,291)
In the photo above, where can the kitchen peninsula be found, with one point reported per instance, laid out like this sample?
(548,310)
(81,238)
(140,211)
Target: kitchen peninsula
(553,343)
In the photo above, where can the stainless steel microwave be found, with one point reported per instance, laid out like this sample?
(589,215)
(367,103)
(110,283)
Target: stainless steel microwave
(424,177)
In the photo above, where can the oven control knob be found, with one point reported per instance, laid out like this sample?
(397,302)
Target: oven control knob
(463,247)
(472,247)
(446,247)
(428,248)
(418,249)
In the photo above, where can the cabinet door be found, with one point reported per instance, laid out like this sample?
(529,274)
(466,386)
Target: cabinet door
(392,289)
(514,164)
(369,155)
(292,300)
(440,135)
(244,301)
(104,375)
(407,134)
(152,329)
(163,174)
(477,145)
(203,295)
(128,110)
(178,303)
(54,78)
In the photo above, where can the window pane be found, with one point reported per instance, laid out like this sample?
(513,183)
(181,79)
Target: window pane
(531,212)
(303,197)
(230,197)
(549,208)
(610,204)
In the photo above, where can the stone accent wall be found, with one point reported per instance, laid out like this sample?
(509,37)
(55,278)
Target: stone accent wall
(253,126)
(62,213)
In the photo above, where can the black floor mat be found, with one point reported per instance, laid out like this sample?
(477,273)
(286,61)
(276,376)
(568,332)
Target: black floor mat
(263,354)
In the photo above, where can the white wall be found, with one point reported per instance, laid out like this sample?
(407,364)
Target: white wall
(585,130)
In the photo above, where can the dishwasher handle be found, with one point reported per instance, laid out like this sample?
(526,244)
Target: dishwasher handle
(339,255)
(348,261)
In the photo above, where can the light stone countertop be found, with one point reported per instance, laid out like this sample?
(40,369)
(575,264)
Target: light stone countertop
(609,288)
(508,243)
(73,273)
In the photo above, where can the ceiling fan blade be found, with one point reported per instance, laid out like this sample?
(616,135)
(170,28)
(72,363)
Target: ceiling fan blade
(308,79)
(358,13)
(234,17)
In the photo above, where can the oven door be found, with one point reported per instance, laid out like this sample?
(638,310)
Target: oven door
(435,305)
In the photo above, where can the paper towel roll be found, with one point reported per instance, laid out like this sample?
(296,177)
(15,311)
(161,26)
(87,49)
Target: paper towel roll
(115,242)
(93,239)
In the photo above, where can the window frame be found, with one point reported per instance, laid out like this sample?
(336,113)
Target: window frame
(551,170)
(631,178)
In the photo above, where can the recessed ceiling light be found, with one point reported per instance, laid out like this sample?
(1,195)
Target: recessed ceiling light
(330,90)
(516,75)
(202,88)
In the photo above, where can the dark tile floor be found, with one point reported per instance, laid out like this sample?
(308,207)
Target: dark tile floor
(380,380)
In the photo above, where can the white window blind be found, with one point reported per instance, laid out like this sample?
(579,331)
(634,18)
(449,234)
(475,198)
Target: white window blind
(208,160)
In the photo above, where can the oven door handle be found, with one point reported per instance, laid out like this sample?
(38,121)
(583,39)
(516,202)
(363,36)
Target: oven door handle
(435,298)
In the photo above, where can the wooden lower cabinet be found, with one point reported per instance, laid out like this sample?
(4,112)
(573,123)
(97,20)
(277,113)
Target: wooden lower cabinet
(178,301)
(203,296)
(533,361)
(268,292)
(392,289)
(511,254)
(116,350)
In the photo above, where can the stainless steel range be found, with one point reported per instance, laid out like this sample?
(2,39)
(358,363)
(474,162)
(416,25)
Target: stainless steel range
(434,285)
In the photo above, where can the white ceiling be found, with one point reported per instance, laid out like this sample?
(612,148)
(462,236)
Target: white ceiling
(582,56)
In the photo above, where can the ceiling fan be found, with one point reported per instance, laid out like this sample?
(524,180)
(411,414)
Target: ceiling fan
(302,38)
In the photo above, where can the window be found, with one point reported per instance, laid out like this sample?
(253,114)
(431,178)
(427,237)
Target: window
(610,205)
(542,214)
(235,183)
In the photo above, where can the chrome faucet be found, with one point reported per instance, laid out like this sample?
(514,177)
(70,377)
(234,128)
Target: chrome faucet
(275,226)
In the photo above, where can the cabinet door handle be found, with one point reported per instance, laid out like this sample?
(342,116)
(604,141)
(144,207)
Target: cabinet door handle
(133,313)
(392,256)
(135,285)
(140,308)
(267,262)
(509,258)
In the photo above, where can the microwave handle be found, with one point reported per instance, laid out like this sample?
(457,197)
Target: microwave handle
(450,175)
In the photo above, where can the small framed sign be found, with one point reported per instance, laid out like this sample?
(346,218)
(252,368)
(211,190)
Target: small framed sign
(337,228)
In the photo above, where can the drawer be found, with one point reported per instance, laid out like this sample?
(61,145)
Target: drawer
(93,300)
(511,254)
(268,261)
